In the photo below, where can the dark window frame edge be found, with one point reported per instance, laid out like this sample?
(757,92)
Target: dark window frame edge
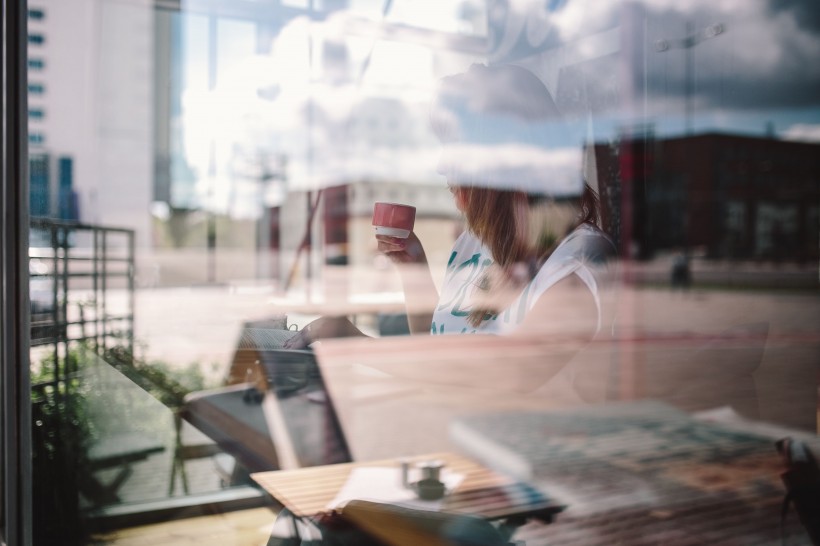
(14,297)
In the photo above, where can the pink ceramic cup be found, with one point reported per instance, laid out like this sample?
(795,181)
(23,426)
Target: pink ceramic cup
(393,219)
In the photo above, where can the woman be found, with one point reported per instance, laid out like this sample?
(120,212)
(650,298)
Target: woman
(516,261)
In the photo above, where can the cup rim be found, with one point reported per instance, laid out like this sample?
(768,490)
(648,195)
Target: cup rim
(393,204)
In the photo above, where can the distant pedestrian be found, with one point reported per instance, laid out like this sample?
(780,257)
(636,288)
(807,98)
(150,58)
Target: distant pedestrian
(681,273)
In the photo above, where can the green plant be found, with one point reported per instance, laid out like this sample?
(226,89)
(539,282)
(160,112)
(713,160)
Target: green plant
(73,405)
(61,436)
(166,384)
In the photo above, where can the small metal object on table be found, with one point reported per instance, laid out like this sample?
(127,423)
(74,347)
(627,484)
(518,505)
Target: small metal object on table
(484,493)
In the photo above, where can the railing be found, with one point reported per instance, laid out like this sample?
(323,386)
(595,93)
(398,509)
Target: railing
(81,283)
(73,269)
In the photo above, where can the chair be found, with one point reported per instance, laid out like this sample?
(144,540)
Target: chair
(245,362)
(118,444)
(366,523)
(400,526)
(233,417)
(186,451)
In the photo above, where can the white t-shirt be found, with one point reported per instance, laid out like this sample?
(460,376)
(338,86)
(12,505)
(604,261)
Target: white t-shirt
(584,252)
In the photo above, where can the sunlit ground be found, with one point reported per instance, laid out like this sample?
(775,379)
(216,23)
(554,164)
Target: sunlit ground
(240,528)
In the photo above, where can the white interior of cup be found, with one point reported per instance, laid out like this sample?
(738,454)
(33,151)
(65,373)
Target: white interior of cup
(392,232)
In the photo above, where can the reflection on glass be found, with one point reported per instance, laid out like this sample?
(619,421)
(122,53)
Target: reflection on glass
(203,179)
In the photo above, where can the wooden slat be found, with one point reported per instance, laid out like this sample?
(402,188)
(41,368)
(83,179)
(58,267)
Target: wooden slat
(307,491)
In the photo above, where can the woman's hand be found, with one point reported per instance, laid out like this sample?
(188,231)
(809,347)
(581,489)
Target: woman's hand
(402,251)
(300,341)
(322,328)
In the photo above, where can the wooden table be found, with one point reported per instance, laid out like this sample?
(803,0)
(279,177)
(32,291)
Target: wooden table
(483,493)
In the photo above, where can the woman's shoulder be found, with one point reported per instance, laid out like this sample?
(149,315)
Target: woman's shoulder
(467,244)
(588,242)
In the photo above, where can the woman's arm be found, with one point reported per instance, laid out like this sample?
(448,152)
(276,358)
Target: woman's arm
(419,289)
(322,328)
(565,309)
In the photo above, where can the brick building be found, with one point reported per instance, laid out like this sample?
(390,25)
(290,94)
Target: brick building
(727,196)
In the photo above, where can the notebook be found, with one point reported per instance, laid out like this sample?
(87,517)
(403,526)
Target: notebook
(611,455)
(264,338)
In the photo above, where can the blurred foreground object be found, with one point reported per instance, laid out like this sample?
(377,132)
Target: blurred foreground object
(802,481)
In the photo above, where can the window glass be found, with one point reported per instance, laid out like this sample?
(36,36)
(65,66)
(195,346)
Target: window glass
(252,222)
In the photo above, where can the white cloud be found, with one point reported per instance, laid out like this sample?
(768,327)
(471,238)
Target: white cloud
(804,132)
(513,167)
(694,6)
(766,58)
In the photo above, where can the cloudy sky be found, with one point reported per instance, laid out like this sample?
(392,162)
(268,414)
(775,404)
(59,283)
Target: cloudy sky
(355,103)
(762,68)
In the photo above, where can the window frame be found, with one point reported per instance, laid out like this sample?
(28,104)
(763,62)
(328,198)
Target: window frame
(15,420)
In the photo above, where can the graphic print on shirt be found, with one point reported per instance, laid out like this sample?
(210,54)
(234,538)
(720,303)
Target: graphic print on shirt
(469,272)
(585,253)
